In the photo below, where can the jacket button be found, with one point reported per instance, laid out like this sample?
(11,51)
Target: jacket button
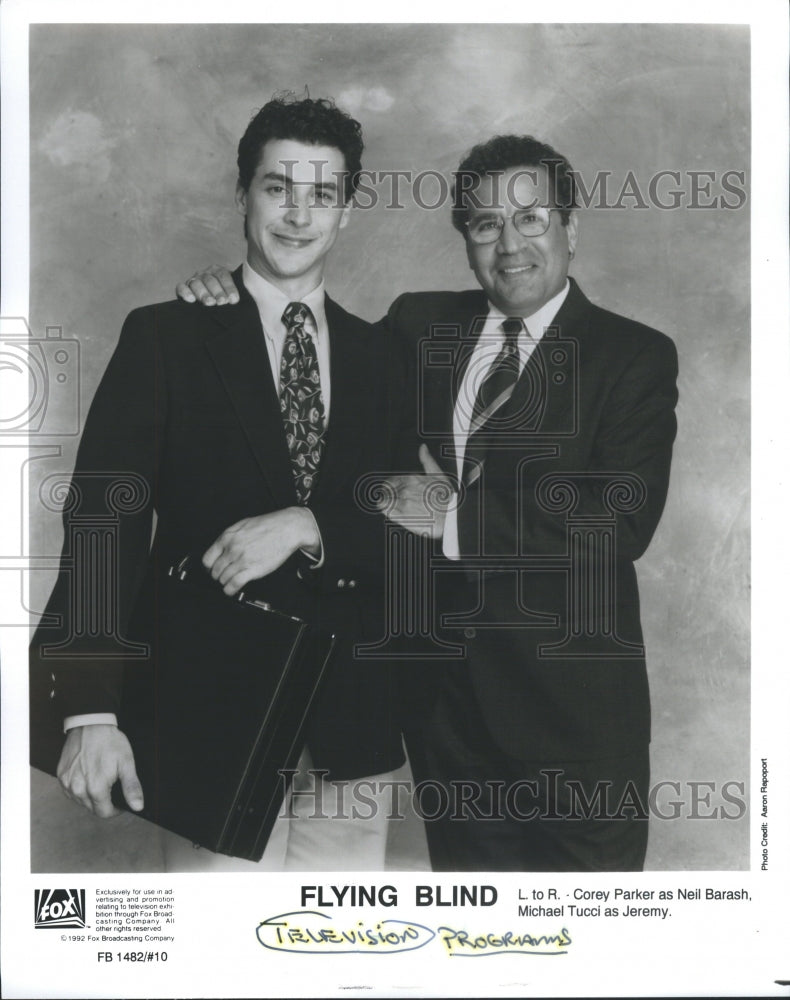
(341,583)
(470,633)
(52,694)
(299,575)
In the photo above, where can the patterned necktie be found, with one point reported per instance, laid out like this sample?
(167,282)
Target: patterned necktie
(495,389)
(301,403)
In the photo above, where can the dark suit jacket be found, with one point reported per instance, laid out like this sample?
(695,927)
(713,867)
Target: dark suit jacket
(188,404)
(594,409)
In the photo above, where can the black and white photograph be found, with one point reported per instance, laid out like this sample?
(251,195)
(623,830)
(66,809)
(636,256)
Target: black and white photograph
(394,445)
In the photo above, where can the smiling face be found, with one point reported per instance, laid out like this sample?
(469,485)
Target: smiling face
(294,210)
(520,273)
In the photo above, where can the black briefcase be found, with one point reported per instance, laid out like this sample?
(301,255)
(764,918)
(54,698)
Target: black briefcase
(218,711)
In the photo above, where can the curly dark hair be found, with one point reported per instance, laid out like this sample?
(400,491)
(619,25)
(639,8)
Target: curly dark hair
(502,153)
(316,121)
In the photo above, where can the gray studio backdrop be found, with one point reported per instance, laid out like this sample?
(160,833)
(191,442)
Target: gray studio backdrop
(133,138)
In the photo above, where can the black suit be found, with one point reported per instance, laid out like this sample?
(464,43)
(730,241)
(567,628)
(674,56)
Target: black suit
(554,671)
(188,404)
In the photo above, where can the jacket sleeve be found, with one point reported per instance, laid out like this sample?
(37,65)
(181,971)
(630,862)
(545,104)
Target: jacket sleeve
(82,639)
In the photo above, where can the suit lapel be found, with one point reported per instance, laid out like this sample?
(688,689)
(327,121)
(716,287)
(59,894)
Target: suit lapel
(343,414)
(547,389)
(452,342)
(235,342)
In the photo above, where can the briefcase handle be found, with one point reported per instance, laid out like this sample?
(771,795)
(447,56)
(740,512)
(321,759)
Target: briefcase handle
(185,570)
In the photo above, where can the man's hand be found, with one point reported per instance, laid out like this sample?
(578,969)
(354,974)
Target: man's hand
(212,287)
(93,759)
(420,502)
(257,546)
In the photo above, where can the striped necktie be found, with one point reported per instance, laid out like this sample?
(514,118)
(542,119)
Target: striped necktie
(495,390)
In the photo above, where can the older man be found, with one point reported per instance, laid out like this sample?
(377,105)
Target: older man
(554,419)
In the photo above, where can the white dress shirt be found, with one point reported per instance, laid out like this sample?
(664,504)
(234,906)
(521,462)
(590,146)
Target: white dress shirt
(486,350)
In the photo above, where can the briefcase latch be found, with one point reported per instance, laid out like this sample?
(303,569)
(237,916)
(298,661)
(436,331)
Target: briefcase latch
(180,570)
(184,569)
(243,599)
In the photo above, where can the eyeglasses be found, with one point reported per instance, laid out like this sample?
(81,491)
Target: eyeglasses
(528,222)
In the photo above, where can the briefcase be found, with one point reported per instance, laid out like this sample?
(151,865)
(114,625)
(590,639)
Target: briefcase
(216,715)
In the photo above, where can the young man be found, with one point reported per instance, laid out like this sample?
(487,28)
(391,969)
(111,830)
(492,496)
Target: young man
(249,428)
(555,418)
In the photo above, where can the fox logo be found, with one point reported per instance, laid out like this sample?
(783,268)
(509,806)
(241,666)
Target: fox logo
(60,907)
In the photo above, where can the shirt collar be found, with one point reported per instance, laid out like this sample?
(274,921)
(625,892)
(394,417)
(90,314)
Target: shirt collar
(538,321)
(271,302)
